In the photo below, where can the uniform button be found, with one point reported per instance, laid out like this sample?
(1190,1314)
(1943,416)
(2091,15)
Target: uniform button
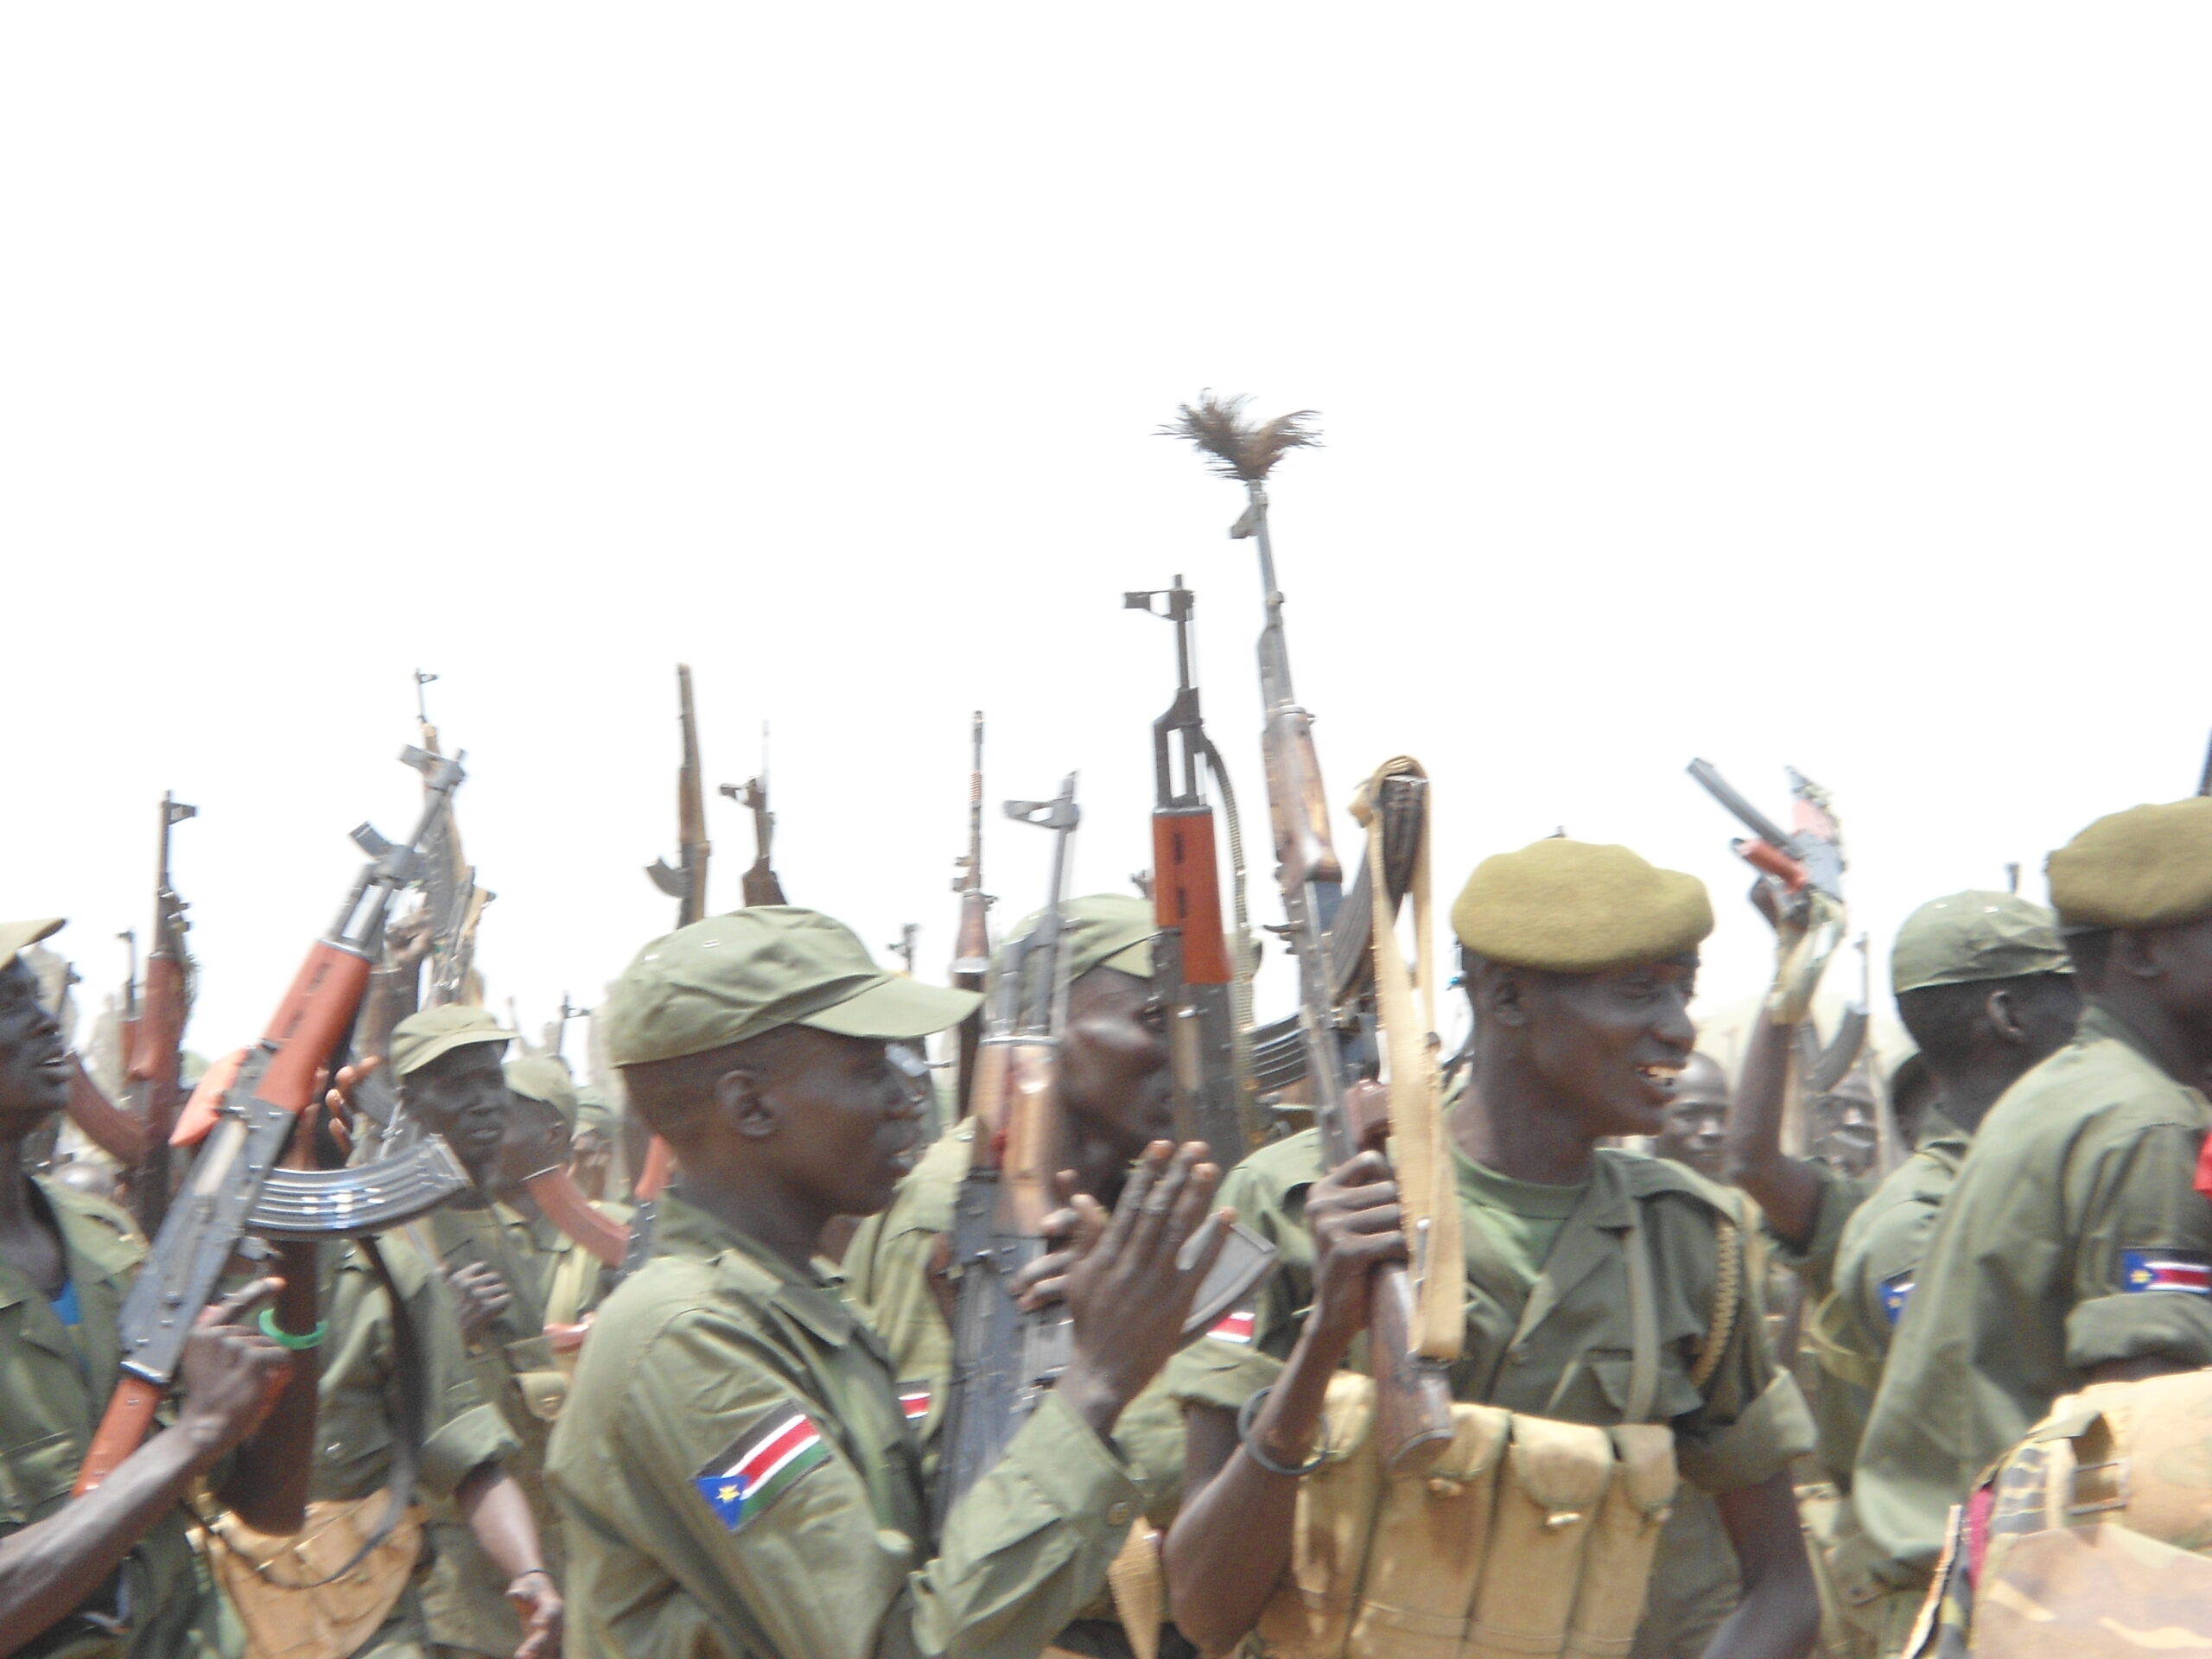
(1519,1355)
(1118,1515)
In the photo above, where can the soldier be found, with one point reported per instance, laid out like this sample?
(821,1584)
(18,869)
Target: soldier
(541,1125)
(735,1468)
(2073,1248)
(1117,1088)
(592,1141)
(1603,1287)
(448,1061)
(1697,1119)
(1987,990)
(109,1574)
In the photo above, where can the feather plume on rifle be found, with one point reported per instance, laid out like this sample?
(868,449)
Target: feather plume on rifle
(1237,450)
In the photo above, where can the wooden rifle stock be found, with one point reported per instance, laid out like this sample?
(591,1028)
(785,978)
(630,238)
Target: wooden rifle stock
(123,1430)
(1295,801)
(1027,1149)
(556,1193)
(652,1179)
(1186,891)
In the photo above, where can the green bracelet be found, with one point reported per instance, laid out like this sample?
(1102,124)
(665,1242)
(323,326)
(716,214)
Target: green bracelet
(286,1339)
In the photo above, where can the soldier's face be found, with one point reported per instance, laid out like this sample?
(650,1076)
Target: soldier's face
(535,1139)
(462,1094)
(847,1125)
(34,1061)
(1609,1047)
(1114,1070)
(2183,986)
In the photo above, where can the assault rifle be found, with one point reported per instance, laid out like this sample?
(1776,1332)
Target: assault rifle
(759,883)
(453,905)
(154,1057)
(1329,930)
(1207,999)
(235,1187)
(687,882)
(971,944)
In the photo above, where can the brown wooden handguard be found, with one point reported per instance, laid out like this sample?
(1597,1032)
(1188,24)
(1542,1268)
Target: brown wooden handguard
(1031,1150)
(1297,803)
(122,1431)
(1186,892)
(113,1131)
(1770,859)
(1413,1398)
(153,1050)
(566,1207)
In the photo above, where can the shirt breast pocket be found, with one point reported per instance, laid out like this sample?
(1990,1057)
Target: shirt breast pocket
(1674,1394)
(35,1477)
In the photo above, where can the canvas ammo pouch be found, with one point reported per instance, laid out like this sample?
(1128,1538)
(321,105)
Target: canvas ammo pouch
(284,1588)
(1526,1538)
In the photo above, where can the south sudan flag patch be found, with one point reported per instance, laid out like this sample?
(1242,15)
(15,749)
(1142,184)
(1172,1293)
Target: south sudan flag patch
(1896,1291)
(761,1468)
(2189,1270)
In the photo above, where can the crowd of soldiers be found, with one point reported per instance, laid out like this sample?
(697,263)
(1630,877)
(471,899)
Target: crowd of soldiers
(1982,1430)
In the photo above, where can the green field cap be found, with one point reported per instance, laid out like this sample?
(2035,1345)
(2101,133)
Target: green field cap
(1102,930)
(540,1076)
(1964,936)
(731,977)
(421,1038)
(16,938)
(1579,907)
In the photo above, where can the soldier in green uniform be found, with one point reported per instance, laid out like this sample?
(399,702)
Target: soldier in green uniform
(2073,1247)
(737,1472)
(1987,990)
(541,1134)
(109,1574)
(1579,961)
(1697,1119)
(1117,1088)
(448,1061)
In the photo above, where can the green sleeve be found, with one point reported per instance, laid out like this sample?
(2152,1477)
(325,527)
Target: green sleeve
(811,1573)
(1224,1368)
(465,1431)
(887,1274)
(1753,1422)
(2135,1194)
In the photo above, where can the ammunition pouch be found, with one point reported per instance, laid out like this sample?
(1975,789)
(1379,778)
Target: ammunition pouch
(296,1596)
(1525,1539)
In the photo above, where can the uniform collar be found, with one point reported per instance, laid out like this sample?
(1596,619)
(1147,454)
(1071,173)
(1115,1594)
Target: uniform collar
(2098,1024)
(810,1295)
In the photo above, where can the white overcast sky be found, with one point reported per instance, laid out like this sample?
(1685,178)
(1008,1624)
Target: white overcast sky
(1777,384)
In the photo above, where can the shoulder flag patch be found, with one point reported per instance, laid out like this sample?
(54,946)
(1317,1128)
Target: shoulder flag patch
(913,1400)
(1893,1291)
(2189,1270)
(1234,1327)
(760,1468)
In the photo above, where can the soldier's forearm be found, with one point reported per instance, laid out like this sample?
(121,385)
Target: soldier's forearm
(1779,1616)
(499,1514)
(1789,1192)
(46,1570)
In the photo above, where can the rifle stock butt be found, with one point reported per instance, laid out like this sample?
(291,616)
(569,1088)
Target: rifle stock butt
(122,1431)
(1413,1397)
(567,1208)
(660,1163)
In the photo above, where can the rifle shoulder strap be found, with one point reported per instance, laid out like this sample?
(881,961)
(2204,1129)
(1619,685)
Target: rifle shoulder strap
(1406,1000)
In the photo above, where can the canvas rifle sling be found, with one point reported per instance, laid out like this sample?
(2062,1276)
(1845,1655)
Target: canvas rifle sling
(1406,1001)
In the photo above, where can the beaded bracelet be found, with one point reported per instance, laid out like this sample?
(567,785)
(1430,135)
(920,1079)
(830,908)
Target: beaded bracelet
(285,1340)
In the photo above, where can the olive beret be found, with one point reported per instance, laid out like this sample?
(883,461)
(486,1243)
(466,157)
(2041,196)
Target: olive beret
(2148,867)
(1102,930)
(542,1077)
(421,1038)
(16,938)
(1973,936)
(732,978)
(1577,907)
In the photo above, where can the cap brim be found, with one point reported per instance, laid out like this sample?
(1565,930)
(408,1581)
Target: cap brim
(894,1010)
(445,1043)
(16,938)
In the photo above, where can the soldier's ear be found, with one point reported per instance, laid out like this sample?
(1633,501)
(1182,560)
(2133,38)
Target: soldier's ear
(1500,992)
(2004,1017)
(742,1104)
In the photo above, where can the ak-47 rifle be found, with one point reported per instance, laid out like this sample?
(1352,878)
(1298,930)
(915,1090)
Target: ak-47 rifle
(903,947)
(154,1063)
(1329,937)
(759,882)
(1206,998)
(971,943)
(687,882)
(236,1187)
(453,905)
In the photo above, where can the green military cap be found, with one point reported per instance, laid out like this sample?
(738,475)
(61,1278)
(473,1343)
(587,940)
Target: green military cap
(2148,867)
(421,1038)
(1576,907)
(594,1113)
(540,1076)
(1102,930)
(16,938)
(1975,935)
(730,977)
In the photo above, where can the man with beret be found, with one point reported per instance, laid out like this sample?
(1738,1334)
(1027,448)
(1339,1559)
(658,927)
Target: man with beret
(1985,987)
(738,1472)
(1117,1089)
(109,1574)
(448,1061)
(2073,1247)
(1579,961)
